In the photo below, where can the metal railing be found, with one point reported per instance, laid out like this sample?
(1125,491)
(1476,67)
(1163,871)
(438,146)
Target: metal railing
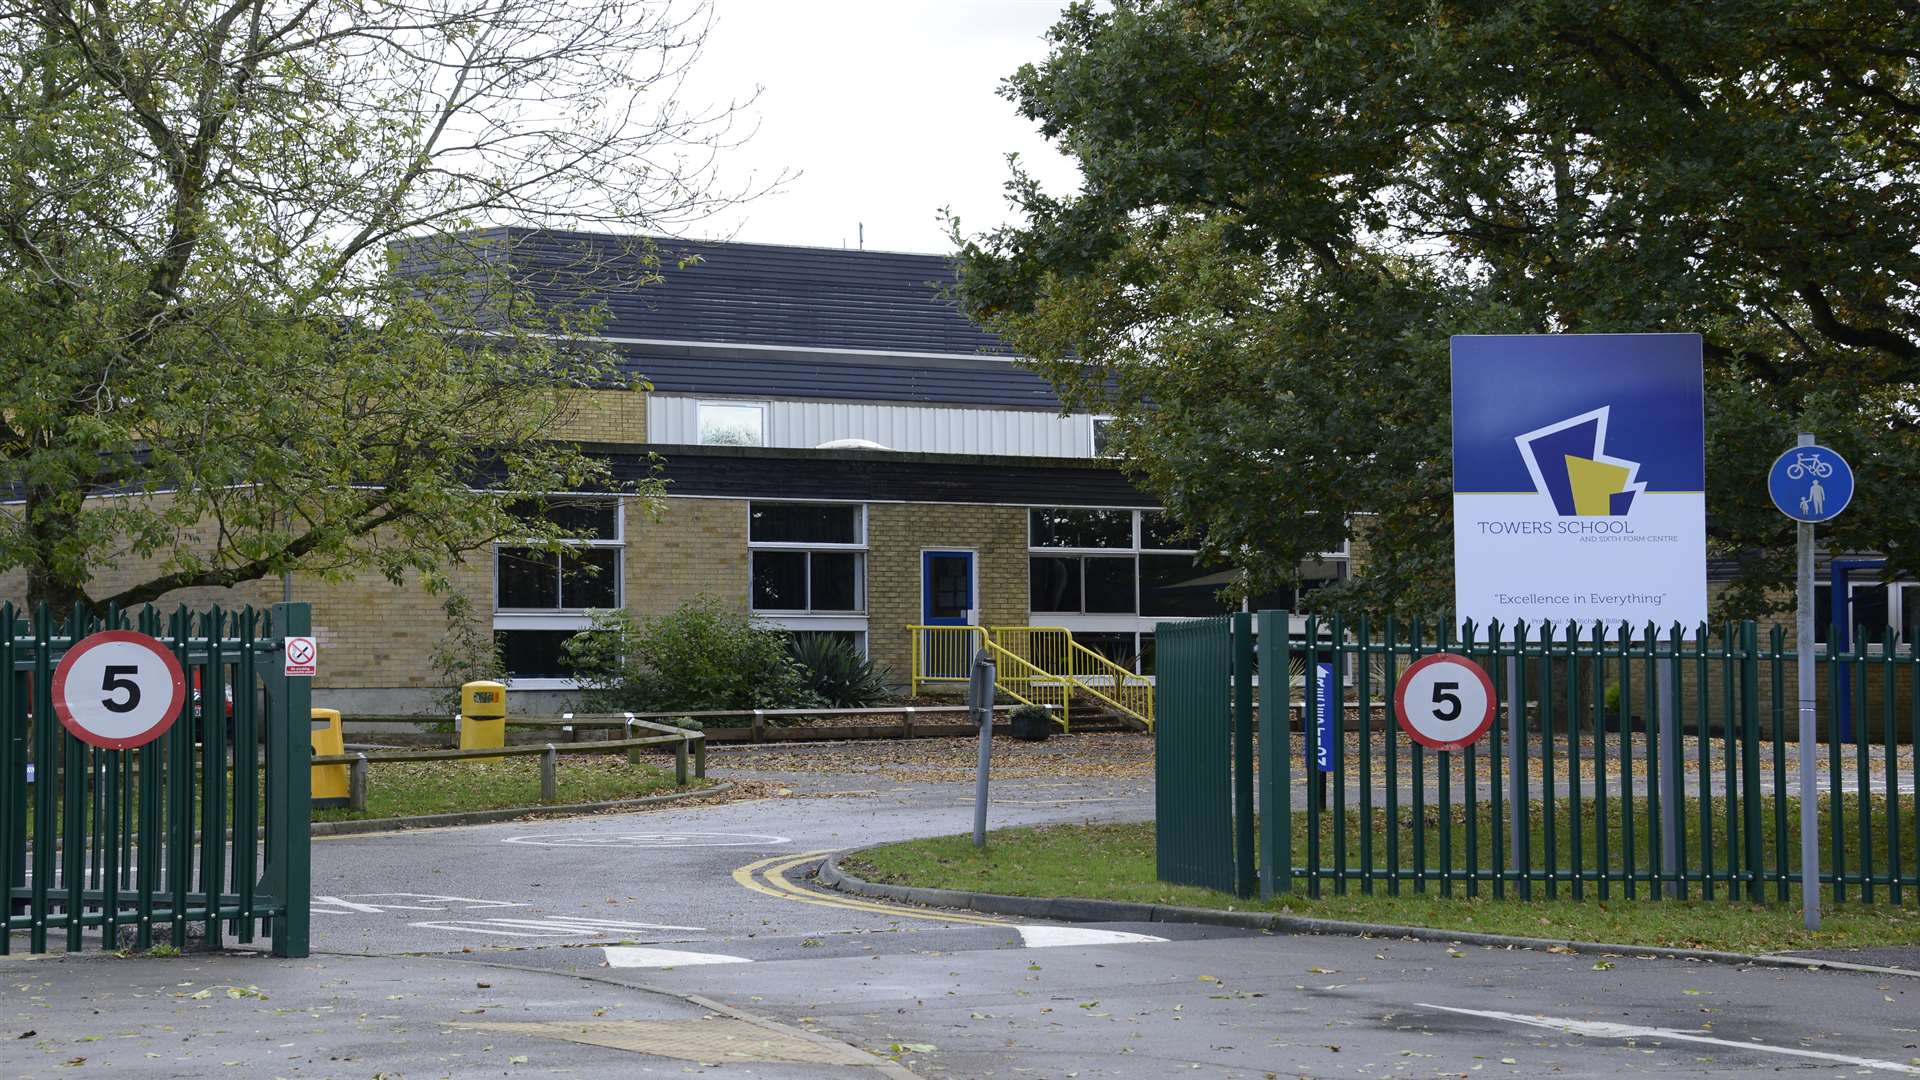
(206,826)
(1053,649)
(944,655)
(1636,763)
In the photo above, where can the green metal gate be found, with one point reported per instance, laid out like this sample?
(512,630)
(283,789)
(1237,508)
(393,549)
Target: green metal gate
(1609,804)
(1203,754)
(207,825)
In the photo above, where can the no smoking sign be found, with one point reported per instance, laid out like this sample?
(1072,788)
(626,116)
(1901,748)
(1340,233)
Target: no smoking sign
(1444,701)
(118,689)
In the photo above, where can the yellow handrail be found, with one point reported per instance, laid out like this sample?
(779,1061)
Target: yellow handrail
(1053,649)
(944,654)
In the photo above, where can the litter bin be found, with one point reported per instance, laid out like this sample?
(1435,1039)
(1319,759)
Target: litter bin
(329,781)
(483,716)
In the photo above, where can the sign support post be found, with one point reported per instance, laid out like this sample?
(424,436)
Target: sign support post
(1810,484)
(1809,794)
(1516,761)
(980,693)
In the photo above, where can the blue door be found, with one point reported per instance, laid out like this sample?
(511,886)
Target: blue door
(946,599)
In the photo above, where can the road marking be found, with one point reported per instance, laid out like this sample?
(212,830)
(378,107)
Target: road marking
(1605,1030)
(1053,937)
(549,926)
(646,840)
(359,905)
(774,875)
(628,956)
(774,883)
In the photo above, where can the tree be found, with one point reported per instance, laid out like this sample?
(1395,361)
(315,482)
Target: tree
(1288,206)
(207,360)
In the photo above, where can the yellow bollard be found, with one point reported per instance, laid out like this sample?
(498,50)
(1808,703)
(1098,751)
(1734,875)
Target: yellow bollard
(329,781)
(483,716)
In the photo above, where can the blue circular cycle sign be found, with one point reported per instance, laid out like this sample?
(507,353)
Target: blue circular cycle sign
(1811,483)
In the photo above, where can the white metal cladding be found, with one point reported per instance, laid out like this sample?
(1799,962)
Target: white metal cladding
(674,419)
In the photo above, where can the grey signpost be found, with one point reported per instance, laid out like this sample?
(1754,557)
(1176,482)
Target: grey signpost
(980,700)
(1810,484)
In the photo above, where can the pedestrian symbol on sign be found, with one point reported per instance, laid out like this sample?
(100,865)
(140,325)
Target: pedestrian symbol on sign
(1811,483)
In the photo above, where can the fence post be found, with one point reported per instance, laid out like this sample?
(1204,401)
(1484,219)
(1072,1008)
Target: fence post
(633,752)
(357,782)
(549,775)
(289,718)
(1750,758)
(1243,869)
(700,755)
(1276,758)
(680,763)
(759,724)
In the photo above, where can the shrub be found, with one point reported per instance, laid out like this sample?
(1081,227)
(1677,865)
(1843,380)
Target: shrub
(467,652)
(836,671)
(702,656)
(1612,698)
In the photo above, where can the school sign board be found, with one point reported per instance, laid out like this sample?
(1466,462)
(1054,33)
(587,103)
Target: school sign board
(1579,479)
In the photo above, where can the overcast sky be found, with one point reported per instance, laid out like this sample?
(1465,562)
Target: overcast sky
(886,109)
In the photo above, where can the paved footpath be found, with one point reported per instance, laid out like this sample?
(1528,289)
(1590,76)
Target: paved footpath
(690,942)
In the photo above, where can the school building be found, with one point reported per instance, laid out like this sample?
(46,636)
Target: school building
(845,453)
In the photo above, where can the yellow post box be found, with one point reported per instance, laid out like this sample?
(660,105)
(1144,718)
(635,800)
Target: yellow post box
(329,781)
(483,716)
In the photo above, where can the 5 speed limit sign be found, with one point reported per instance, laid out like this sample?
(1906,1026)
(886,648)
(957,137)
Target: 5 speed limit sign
(1444,701)
(118,689)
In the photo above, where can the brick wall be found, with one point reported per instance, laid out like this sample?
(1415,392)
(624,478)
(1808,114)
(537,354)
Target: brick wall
(616,416)
(896,535)
(694,548)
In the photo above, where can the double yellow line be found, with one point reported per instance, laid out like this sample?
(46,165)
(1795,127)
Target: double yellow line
(769,878)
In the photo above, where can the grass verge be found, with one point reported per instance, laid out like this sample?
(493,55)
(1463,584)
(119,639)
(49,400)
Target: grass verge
(1116,862)
(411,788)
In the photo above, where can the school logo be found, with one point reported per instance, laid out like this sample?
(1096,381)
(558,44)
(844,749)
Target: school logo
(1569,464)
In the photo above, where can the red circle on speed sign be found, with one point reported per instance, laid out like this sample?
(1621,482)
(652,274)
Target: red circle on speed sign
(1444,701)
(118,689)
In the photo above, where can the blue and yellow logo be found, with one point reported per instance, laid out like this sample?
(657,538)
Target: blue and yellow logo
(1569,464)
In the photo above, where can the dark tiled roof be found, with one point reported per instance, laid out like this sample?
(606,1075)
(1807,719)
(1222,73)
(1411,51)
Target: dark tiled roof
(754,294)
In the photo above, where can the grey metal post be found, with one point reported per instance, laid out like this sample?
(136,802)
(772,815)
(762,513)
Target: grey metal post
(357,782)
(1666,678)
(1809,792)
(1516,763)
(980,701)
(549,774)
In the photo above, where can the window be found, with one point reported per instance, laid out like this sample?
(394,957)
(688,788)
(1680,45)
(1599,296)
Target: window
(1101,426)
(1109,575)
(1871,608)
(542,598)
(808,558)
(727,423)
(1081,528)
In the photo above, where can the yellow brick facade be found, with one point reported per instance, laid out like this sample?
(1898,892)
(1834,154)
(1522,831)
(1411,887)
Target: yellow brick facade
(609,416)
(693,548)
(898,533)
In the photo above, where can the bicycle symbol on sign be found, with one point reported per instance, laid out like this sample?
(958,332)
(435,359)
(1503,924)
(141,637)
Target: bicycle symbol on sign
(1808,463)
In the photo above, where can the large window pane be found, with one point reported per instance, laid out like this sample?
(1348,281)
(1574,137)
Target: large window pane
(780,580)
(1909,613)
(528,578)
(836,580)
(1181,585)
(1822,613)
(1110,585)
(533,654)
(590,578)
(731,425)
(803,523)
(587,517)
(1159,529)
(1082,528)
(1118,648)
(1869,614)
(1055,583)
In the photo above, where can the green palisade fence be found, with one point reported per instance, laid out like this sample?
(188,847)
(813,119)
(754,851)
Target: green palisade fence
(207,825)
(1613,803)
